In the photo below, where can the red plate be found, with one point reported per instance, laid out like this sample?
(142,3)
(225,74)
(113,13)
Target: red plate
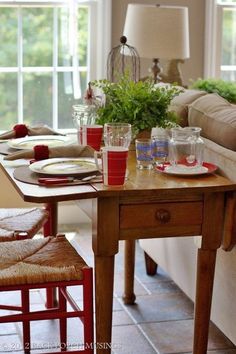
(208,168)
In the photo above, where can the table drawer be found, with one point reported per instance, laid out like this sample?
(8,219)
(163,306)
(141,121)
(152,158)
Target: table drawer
(157,214)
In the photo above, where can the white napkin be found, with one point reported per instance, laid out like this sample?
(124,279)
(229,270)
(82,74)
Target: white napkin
(32,131)
(60,151)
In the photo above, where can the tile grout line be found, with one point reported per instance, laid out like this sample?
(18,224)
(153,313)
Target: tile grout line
(144,286)
(136,323)
(148,339)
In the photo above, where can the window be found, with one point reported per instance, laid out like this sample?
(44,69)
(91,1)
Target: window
(220,49)
(227,23)
(48,54)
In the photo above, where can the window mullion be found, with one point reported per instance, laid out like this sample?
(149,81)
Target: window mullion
(20,65)
(92,44)
(55,74)
(75,55)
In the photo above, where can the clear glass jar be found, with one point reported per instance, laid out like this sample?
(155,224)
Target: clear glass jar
(84,115)
(186,147)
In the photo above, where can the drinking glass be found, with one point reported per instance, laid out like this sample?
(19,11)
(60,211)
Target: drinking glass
(114,164)
(160,145)
(84,115)
(88,133)
(117,134)
(144,154)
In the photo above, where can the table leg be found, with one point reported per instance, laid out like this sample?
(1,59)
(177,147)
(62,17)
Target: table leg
(50,229)
(204,289)
(229,237)
(104,277)
(105,245)
(129,263)
(212,233)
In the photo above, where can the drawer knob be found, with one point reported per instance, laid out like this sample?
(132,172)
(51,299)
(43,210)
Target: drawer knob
(163,216)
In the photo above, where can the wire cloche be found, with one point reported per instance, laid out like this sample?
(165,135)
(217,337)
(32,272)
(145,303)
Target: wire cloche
(123,59)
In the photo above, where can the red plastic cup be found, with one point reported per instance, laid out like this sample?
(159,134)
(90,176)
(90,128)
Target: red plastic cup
(114,163)
(90,135)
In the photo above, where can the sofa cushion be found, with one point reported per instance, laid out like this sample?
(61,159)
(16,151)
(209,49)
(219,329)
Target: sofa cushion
(180,104)
(216,117)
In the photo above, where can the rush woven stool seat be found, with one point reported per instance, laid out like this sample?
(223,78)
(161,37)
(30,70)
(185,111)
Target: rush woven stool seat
(18,223)
(49,262)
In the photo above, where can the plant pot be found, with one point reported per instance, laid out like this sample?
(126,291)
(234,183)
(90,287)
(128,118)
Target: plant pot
(143,134)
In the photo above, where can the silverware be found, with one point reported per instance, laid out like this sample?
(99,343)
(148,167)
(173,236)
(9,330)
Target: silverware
(64,180)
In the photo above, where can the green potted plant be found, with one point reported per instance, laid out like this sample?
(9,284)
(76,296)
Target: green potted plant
(142,104)
(225,89)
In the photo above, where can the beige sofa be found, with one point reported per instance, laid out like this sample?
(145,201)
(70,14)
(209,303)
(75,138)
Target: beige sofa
(177,256)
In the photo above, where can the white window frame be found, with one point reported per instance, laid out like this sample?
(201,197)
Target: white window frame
(99,44)
(213,39)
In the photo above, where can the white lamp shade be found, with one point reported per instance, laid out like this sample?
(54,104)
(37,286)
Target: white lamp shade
(158,31)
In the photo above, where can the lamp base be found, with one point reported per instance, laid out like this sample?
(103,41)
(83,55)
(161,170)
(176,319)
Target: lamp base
(173,73)
(156,70)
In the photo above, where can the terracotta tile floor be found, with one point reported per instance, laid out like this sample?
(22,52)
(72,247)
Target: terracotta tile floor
(160,322)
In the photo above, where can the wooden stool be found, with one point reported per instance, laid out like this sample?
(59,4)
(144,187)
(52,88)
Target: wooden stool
(21,223)
(47,263)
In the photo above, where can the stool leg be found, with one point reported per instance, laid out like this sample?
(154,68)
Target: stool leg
(50,229)
(88,310)
(63,321)
(25,303)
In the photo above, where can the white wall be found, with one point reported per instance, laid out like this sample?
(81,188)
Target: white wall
(193,67)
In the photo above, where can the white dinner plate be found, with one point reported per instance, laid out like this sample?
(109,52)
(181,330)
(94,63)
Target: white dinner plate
(64,166)
(29,142)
